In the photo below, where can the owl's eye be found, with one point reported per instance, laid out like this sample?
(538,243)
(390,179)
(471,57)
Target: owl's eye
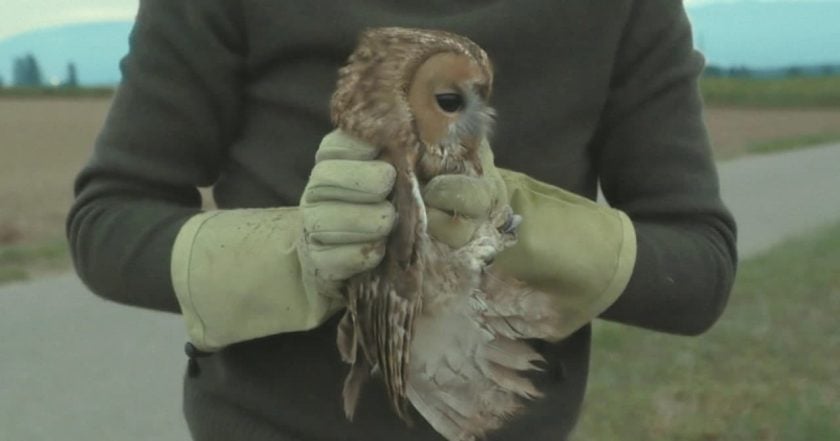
(450,102)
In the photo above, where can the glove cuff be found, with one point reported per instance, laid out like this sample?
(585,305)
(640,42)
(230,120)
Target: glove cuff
(237,277)
(581,251)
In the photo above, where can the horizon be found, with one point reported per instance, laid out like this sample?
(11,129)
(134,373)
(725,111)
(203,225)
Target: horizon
(757,39)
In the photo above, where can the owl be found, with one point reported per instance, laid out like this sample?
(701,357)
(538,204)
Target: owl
(442,329)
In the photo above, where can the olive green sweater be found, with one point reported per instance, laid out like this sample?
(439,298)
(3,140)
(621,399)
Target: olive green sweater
(235,93)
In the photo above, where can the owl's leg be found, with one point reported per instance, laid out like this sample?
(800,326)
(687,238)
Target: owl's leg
(490,239)
(481,251)
(511,224)
(506,220)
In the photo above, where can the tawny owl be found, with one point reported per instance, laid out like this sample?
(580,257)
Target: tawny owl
(444,332)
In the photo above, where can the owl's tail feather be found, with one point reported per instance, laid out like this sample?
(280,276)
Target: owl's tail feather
(396,324)
(358,376)
(380,322)
(348,343)
(346,338)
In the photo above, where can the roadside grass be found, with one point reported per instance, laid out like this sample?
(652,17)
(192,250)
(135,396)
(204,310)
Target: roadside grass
(23,261)
(793,143)
(768,371)
(794,92)
(797,92)
(64,92)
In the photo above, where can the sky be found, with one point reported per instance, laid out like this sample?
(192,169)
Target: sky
(25,15)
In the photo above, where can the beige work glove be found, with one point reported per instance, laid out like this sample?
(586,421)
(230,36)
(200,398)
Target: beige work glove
(569,246)
(457,204)
(346,214)
(245,274)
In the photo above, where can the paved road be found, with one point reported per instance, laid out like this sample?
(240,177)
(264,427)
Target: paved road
(74,367)
(778,196)
(77,368)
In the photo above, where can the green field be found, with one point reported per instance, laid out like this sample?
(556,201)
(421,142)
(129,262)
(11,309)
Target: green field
(796,142)
(24,261)
(809,92)
(36,92)
(769,370)
(804,92)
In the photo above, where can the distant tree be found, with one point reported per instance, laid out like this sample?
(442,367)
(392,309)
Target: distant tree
(18,72)
(26,72)
(740,72)
(2,82)
(714,71)
(828,70)
(72,79)
(794,71)
(35,71)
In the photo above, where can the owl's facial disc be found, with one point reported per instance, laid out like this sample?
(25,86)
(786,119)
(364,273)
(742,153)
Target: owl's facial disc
(446,100)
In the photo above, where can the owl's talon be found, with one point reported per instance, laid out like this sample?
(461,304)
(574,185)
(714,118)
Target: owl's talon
(511,224)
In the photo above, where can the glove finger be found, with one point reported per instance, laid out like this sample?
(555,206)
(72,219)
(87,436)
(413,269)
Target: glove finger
(336,223)
(340,262)
(339,145)
(454,231)
(492,175)
(463,195)
(350,181)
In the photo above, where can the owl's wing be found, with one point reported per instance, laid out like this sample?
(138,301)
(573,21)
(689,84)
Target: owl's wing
(465,380)
(514,310)
(379,322)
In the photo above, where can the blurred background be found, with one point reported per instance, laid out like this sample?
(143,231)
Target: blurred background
(74,367)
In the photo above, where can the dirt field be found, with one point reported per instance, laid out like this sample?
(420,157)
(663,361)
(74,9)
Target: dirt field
(45,141)
(43,144)
(732,129)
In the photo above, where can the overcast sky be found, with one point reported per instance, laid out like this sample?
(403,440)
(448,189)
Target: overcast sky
(24,15)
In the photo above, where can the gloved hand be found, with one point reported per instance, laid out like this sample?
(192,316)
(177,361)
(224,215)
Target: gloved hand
(346,217)
(457,204)
(579,251)
(245,274)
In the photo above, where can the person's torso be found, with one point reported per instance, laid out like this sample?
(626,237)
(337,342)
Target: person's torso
(553,63)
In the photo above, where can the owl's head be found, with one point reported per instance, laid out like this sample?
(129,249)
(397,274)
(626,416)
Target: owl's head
(418,91)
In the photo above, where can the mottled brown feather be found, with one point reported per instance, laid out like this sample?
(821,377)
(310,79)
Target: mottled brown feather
(443,333)
(370,103)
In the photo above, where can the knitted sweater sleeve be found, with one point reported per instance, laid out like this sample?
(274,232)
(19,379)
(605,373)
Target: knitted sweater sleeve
(173,114)
(655,164)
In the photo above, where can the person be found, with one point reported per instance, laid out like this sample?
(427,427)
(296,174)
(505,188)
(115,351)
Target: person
(235,95)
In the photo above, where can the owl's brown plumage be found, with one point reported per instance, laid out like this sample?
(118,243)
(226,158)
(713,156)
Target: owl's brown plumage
(444,332)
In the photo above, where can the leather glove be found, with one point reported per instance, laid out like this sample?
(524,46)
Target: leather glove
(244,274)
(346,217)
(457,204)
(580,252)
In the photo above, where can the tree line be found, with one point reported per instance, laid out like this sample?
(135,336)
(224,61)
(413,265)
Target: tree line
(783,72)
(26,72)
